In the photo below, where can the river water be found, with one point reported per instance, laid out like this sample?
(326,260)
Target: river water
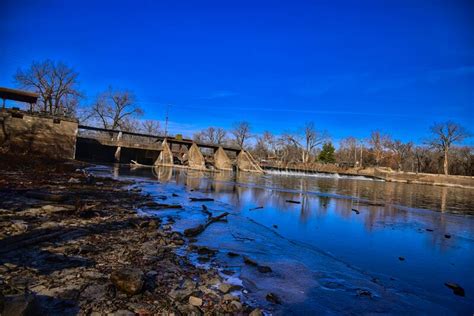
(394,255)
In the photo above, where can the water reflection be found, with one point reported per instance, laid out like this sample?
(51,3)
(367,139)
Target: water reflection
(394,220)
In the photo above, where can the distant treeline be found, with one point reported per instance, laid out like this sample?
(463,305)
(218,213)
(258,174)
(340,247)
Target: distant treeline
(59,93)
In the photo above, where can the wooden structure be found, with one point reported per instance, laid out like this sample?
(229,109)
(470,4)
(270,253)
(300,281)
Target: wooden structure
(18,95)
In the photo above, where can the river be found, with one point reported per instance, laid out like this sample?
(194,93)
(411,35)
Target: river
(345,245)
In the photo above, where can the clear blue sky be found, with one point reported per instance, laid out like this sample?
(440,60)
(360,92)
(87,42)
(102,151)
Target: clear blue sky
(349,66)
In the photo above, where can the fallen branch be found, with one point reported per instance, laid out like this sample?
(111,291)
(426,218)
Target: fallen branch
(192,232)
(201,199)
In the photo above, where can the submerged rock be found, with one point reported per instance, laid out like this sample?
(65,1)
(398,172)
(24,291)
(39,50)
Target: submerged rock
(273,298)
(457,289)
(250,262)
(128,280)
(264,269)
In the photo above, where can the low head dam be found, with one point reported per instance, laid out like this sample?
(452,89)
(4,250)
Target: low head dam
(63,138)
(26,132)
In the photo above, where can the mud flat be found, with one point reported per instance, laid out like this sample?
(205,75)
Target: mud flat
(72,243)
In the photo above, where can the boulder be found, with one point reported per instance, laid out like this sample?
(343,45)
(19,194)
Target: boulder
(195,301)
(20,305)
(128,280)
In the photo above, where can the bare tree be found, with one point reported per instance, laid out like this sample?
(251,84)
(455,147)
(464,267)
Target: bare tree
(211,135)
(265,145)
(377,142)
(401,151)
(55,83)
(308,140)
(241,132)
(444,135)
(114,109)
(347,150)
(151,127)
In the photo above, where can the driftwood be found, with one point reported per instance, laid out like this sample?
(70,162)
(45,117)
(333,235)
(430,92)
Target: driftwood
(45,196)
(201,199)
(206,211)
(355,211)
(192,232)
(294,202)
(255,208)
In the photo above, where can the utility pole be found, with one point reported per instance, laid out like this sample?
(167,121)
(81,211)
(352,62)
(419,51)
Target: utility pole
(166,119)
(361,147)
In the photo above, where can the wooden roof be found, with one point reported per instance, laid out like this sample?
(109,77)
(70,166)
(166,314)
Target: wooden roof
(18,95)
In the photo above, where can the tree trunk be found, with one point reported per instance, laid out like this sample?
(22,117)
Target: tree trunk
(445,162)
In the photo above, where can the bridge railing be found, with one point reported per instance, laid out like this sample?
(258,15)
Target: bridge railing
(120,139)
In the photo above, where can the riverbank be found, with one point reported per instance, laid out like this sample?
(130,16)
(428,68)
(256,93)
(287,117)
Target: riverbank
(72,243)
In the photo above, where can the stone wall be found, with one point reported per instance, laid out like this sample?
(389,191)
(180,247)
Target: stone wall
(23,132)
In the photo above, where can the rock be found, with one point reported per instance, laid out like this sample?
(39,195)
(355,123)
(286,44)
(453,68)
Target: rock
(230,297)
(457,289)
(364,293)
(249,261)
(128,280)
(447,236)
(401,258)
(235,306)
(20,305)
(94,292)
(226,288)
(206,251)
(228,272)
(273,298)
(232,254)
(123,312)
(264,269)
(275,226)
(256,312)
(19,226)
(429,230)
(195,301)
(151,273)
(74,180)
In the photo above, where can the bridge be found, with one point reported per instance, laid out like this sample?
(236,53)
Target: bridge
(100,144)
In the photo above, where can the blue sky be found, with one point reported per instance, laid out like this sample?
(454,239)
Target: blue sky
(349,66)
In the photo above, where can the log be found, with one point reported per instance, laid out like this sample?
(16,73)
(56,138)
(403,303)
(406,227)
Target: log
(192,232)
(201,199)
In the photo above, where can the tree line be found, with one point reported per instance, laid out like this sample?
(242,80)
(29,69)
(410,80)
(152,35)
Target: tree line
(58,88)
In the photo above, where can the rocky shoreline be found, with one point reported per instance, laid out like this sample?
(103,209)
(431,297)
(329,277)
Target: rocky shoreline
(72,243)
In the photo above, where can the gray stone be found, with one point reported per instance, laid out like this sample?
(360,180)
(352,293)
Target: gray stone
(128,280)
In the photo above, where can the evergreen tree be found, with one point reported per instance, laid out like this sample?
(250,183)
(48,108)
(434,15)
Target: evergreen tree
(327,153)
